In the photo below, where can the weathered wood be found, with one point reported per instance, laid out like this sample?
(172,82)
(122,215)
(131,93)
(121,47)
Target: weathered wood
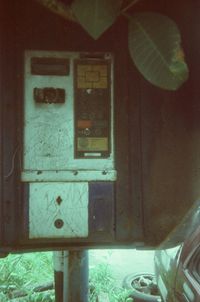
(44,287)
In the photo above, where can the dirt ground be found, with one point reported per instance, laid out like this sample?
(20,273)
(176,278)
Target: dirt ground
(123,262)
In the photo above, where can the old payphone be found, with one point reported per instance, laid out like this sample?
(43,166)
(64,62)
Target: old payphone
(90,152)
(68,143)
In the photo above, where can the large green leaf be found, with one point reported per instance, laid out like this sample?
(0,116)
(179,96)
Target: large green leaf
(96,16)
(155,47)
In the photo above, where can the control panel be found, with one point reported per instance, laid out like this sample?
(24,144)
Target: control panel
(68,117)
(92,108)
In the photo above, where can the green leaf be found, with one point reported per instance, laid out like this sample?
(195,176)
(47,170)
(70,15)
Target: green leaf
(96,16)
(155,48)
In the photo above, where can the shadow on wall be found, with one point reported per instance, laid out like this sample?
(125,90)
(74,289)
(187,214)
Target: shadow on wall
(171,161)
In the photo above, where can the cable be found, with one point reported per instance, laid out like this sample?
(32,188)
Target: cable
(13,164)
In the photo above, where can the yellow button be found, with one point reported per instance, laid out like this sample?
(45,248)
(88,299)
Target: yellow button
(92,76)
(82,69)
(93,144)
(102,83)
(82,83)
(102,69)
